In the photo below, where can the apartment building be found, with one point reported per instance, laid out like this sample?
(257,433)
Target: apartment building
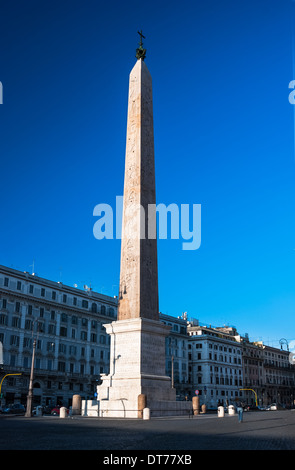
(225,366)
(177,354)
(72,347)
(215,364)
(278,377)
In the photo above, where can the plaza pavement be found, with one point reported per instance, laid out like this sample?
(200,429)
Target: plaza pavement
(267,430)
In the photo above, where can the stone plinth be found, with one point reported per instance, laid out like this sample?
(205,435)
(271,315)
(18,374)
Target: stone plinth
(137,365)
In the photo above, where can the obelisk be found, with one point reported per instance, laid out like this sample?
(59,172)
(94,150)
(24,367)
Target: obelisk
(137,349)
(138,293)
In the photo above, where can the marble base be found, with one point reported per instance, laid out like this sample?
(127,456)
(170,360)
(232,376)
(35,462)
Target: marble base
(137,366)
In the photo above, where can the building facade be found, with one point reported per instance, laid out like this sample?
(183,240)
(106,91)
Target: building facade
(177,354)
(215,364)
(225,367)
(278,377)
(72,347)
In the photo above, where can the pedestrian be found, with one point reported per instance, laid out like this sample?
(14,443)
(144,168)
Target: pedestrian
(240,411)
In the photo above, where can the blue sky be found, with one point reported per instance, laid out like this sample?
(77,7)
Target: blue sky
(224,138)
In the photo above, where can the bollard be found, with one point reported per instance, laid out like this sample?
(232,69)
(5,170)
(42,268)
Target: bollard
(196,405)
(146,413)
(141,400)
(76,405)
(220,412)
(231,410)
(63,412)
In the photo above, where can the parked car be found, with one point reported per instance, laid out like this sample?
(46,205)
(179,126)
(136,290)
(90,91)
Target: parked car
(272,407)
(37,411)
(256,408)
(47,409)
(16,408)
(55,411)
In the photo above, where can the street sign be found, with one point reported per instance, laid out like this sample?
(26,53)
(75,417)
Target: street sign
(197,392)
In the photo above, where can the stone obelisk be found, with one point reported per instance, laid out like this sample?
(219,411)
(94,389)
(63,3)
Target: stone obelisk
(137,349)
(138,294)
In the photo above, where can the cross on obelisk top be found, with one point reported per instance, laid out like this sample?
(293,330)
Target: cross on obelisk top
(140,51)
(141,36)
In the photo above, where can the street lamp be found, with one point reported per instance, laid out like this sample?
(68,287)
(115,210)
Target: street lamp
(28,413)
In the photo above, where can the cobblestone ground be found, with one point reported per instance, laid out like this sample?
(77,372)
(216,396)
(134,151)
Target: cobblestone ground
(268,430)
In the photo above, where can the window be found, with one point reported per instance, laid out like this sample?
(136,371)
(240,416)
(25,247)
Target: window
(64,317)
(63,331)
(53,295)
(61,366)
(84,335)
(27,342)
(31,289)
(28,324)
(40,327)
(14,340)
(73,350)
(64,298)
(62,348)
(50,346)
(26,362)
(51,329)
(19,285)
(84,303)
(6,281)
(42,292)
(15,322)
(102,339)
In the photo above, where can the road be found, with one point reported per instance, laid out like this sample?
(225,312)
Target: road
(264,430)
